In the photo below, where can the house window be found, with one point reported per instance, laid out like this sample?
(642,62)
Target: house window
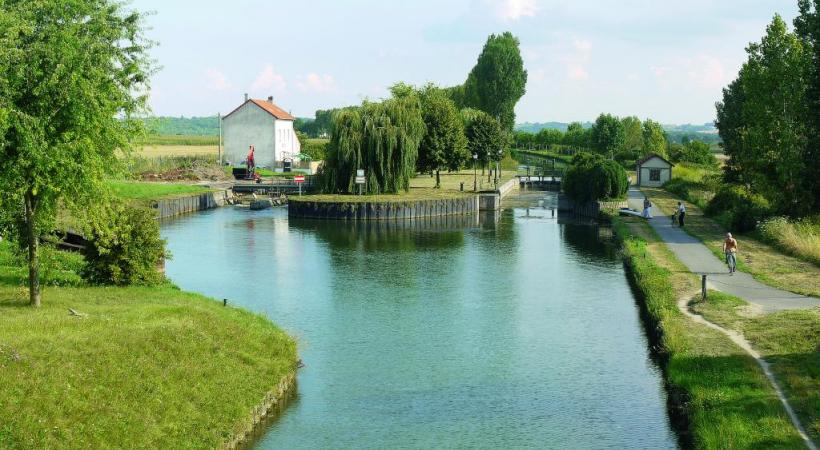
(654,174)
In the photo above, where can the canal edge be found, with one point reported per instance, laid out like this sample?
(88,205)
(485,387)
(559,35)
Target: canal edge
(271,405)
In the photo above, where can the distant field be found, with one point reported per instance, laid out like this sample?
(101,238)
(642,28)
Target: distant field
(153,151)
(178,139)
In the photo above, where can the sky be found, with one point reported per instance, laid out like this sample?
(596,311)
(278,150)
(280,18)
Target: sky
(660,59)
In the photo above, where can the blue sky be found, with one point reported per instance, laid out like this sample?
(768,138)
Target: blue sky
(667,60)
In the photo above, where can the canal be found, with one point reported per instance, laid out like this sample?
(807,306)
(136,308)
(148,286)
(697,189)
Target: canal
(520,332)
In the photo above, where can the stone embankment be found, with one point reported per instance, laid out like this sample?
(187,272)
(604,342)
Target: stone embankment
(170,207)
(393,210)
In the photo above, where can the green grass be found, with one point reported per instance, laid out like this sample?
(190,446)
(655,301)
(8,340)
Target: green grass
(695,184)
(764,262)
(156,139)
(142,191)
(800,238)
(788,340)
(726,398)
(146,368)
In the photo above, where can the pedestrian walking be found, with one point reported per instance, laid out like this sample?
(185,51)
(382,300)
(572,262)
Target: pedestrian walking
(730,250)
(647,208)
(681,213)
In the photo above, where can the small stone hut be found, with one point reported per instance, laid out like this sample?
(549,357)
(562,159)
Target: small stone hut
(653,171)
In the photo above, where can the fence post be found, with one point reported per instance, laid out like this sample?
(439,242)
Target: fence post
(703,287)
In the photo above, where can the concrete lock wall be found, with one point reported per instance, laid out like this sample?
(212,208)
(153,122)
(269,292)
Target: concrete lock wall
(383,210)
(182,205)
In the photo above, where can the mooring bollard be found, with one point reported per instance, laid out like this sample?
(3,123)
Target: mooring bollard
(703,286)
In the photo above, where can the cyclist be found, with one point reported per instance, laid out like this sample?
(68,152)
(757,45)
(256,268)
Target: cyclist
(730,250)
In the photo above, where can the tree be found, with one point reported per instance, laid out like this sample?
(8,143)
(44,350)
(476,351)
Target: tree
(654,139)
(72,77)
(381,138)
(695,152)
(591,177)
(577,136)
(762,121)
(633,139)
(485,137)
(807,26)
(444,144)
(497,81)
(607,135)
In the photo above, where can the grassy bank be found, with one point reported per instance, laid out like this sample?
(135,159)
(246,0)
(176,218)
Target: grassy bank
(763,261)
(144,367)
(142,191)
(723,393)
(799,238)
(789,340)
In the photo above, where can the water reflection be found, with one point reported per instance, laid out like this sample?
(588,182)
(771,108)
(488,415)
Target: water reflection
(509,330)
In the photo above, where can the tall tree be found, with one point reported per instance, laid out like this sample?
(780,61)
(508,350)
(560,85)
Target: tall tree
(633,138)
(444,144)
(576,136)
(72,76)
(654,139)
(807,26)
(497,81)
(607,135)
(762,121)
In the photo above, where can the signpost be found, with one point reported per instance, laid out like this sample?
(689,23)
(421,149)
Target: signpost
(299,179)
(360,180)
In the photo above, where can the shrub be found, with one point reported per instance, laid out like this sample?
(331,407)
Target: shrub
(590,177)
(695,152)
(125,248)
(738,209)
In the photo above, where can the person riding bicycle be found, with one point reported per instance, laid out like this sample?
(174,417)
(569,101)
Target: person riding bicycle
(730,250)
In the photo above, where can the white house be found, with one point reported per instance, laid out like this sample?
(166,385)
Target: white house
(264,125)
(653,171)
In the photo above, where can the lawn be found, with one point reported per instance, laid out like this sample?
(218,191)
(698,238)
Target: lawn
(153,151)
(451,181)
(789,340)
(142,191)
(763,261)
(143,367)
(721,390)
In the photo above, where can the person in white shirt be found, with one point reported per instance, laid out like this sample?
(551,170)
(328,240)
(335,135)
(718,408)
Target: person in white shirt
(681,213)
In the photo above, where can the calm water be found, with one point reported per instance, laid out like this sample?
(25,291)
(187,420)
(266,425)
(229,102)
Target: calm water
(520,333)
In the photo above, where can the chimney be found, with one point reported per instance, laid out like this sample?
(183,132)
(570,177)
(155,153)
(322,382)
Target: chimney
(246,96)
(270,99)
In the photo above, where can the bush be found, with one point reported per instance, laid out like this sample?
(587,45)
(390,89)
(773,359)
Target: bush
(737,209)
(315,148)
(590,177)
(125,248)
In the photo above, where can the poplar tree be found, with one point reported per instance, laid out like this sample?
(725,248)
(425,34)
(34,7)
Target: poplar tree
(72,77)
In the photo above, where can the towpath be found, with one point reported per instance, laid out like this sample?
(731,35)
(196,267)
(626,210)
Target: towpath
(698,259)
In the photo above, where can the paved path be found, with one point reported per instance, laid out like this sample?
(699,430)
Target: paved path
(698,259)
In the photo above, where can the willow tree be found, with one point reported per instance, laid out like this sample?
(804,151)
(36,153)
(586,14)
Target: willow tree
(72,74)
(380,138)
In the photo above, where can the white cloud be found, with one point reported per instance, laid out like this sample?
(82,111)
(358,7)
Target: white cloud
(660,71)
(269,80)
(583,46)
(708,71)
(511,10)
(216,80)
(314,82)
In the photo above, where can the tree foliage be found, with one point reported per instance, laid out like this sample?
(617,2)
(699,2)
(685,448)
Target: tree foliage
(444,145)
(485,137)
(633,139)
(125,248)
(72,77)
(807,26)
(592,177)
(654,139)
(695,152)
(607,137)
(381,138)
(497,81)
(762,120)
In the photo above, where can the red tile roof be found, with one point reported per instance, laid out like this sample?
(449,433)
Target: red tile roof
(269,107)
